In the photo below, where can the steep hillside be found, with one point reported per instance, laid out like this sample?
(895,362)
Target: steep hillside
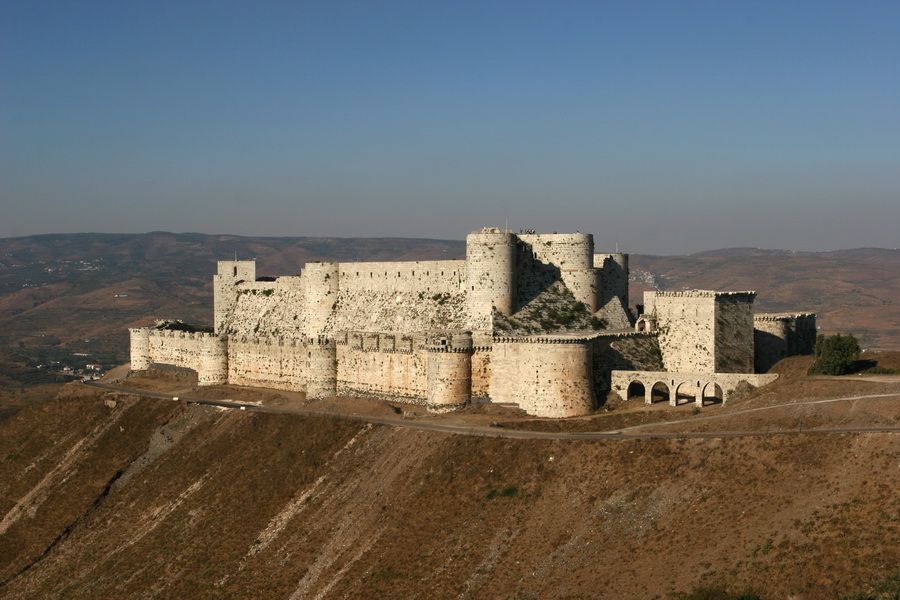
(114,497)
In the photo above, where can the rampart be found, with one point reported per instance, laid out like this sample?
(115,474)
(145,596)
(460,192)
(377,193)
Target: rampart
(205,353)
(439,333)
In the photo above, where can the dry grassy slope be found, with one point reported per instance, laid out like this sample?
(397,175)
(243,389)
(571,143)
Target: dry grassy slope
(251,505)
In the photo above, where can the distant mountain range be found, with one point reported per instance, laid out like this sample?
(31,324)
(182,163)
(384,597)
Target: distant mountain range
(77,293)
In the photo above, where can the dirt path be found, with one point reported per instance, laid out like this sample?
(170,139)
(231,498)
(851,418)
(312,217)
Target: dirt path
(489,431)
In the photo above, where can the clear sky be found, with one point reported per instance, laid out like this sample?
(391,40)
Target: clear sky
(666,127)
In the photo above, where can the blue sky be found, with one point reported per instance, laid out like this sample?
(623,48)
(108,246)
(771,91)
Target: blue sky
(663,127)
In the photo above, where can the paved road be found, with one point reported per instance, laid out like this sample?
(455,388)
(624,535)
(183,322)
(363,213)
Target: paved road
(498,432)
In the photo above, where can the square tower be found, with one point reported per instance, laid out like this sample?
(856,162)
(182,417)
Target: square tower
(702,331)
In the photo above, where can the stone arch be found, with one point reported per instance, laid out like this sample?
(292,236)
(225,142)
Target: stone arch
(659,392)
(712,394)
(636,389)
(685,393)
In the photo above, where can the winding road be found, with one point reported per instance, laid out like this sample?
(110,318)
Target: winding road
(630,433)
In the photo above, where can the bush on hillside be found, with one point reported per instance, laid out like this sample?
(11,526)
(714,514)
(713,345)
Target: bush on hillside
(835,355)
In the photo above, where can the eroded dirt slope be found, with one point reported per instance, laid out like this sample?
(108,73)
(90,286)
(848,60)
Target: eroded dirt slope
(238,504)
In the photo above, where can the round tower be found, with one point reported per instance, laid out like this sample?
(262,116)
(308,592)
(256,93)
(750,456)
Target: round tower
(490,275)
(321,368)
(321,282)
(449,371)
(213,363)
(140,349)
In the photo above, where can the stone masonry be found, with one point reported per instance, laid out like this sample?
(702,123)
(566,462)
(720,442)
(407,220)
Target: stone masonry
(537,320)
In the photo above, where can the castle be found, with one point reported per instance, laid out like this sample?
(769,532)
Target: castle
(536,320)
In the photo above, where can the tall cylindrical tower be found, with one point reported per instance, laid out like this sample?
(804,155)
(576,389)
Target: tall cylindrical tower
(321,368)
(573,255)
(213,363)
(140,349)
(321,282)
(449,372)
(490,275)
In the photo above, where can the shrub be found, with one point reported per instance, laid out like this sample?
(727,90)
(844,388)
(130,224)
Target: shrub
(835,355)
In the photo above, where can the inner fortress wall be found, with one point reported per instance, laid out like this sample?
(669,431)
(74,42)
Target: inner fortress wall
(400,297)
(440,276)
(573,255)
(228,274)
(267,309)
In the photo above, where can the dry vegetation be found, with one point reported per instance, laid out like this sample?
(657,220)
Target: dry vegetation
(150,498)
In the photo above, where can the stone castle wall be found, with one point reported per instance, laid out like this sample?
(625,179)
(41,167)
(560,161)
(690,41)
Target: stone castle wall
(734,332)
(382,365)
(777,336)
(686,325)
(205,353)
(424,331)
(267,362)
(490,276)
(550,377)
(571,256)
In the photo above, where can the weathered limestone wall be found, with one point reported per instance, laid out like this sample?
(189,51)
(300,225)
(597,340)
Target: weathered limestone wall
(268,309)
(572,254)
(439,276)
(490,276)
(382,365)
(320,283)
(267,362)
(546,377)
(778,336)
(449,371)
(482,369)
(686,325)
(230,272)
(400,312)
(612,298)
(702,331)
(734,332)
(205,353)
(140,349)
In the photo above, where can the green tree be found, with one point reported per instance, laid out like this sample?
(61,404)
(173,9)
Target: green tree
(835,355)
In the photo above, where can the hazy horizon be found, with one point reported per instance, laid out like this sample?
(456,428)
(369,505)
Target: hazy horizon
(665,128)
